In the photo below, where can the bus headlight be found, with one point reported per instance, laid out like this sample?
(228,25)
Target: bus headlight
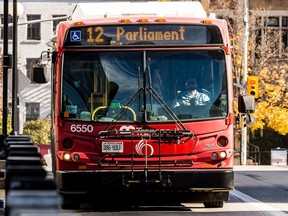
(222,155)
(219,155)
(66,156)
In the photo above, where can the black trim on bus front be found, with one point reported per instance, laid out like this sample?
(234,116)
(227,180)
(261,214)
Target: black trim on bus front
(99,182)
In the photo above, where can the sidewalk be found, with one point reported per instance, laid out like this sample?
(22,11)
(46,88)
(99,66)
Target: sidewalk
(260,168)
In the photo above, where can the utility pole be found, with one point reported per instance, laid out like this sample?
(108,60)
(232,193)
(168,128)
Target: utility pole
(16,12)
(9,61)
(6,64)
(244,80)
(15,116)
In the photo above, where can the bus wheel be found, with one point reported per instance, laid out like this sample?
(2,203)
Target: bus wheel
(214,204)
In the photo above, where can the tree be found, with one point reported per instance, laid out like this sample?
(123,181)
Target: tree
(265,60)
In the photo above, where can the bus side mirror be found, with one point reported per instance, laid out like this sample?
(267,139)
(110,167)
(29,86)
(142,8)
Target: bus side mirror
(246,104)
(40,74)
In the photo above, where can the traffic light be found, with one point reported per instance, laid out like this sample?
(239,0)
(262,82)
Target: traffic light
(252,86)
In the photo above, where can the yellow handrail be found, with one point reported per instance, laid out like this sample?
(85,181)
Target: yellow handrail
(122,107)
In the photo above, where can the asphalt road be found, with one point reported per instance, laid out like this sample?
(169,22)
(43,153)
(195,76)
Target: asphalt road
(259,191)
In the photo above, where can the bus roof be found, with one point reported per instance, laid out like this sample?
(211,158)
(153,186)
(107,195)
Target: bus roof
(125,9)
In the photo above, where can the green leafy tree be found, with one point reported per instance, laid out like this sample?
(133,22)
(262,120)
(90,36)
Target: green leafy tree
(39,130)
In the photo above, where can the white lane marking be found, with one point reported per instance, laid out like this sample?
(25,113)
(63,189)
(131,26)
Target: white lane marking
(257,205)
(244,204)
(260,168)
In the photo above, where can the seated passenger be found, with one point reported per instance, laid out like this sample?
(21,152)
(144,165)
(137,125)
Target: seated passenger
(191,96)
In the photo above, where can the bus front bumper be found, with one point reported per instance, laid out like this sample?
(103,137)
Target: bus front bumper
(200,180)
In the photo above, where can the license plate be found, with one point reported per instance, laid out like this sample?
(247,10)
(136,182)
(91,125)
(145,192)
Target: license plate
(112,147)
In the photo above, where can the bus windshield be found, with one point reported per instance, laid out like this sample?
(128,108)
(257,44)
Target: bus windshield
(144,86)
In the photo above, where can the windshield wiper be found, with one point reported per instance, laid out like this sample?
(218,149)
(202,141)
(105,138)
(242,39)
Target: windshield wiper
(142,91)
(159,99)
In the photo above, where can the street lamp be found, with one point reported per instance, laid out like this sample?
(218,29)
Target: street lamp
(16,10)
(19,9)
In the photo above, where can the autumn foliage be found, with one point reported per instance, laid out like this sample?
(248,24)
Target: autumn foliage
(272,107)
(267,59)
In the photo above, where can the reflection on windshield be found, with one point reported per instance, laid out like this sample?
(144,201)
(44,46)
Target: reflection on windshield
(144,86)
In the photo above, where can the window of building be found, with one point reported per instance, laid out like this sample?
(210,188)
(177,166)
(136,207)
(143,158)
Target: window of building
(29,66)
(10,29)
(32,111)
(285,38)
(56,22)
(9,107)
(272,21)
(34,29)
(285,21)
(272,32)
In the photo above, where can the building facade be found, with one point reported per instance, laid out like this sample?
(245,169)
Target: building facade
(34,99)
(264,16)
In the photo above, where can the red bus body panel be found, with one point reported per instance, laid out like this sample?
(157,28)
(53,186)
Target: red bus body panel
(184,165)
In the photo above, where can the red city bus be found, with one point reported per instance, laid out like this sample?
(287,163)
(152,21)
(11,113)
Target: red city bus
(121,121)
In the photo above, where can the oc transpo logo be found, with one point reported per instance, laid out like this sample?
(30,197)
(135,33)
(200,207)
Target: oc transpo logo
(127,128)
(143,148)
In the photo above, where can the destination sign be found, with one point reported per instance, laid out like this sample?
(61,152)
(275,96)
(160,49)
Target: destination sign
(121,35)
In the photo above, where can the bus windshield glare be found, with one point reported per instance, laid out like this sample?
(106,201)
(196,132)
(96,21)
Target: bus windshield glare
(144,85)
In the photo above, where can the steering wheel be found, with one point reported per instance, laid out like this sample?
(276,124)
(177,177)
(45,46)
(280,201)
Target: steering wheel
(205,91)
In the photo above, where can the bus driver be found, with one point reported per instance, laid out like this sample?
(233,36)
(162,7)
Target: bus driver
(191,96)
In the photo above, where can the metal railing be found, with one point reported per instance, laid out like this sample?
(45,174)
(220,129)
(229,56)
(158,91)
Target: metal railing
(254,153)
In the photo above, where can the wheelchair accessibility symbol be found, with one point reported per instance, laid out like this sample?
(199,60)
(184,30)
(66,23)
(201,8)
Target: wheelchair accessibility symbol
(75,36)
